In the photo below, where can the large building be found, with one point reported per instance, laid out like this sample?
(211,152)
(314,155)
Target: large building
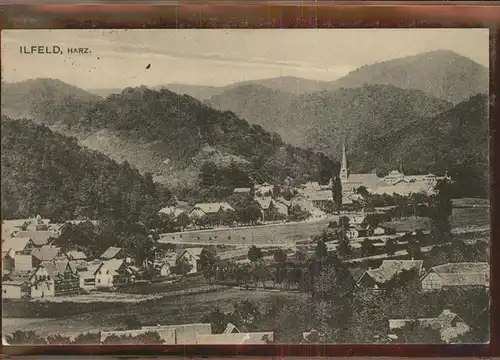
(394,182)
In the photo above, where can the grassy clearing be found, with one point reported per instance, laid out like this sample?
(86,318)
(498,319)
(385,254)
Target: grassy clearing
(258,235)
(176,310)
(460,218)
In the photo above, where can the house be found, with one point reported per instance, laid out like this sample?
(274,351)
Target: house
(321,199)
(282,206)
(357,218)
(378,231)
(13,249)
(449,324)
(268,209)
(181,216)
(38,238)
(355,231)
(53,278)
(303,202)
(192,255)
(76,255)
(47,253)
(87,276)
(115,253)
(457,275)
(167,263)
(264,189)
(15,289)
(213,212)
(376,279)
(113,273)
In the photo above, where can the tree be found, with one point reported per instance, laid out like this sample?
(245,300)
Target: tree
(321,251)
(337,193)
(20,337)
(245,314)
(367,247)
(217,319)
(440,212)
(148,338)
(280,256)
(182,267)
(58,339)
(344,246)
(249,214)
(208,259)
(132,323)
(87,339)
(332,282)
(254,254)
(390,247)
(413,248)
(260,272)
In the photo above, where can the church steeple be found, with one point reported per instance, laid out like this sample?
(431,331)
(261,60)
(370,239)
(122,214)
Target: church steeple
(343,169)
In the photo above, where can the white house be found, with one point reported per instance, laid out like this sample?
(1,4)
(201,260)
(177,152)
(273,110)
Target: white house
(192,255)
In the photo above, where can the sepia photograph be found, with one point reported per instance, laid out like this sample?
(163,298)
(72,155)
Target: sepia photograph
(240,186)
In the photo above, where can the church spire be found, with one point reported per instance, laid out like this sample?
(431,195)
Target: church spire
(343,169)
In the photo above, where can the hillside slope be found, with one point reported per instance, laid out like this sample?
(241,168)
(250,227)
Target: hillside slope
(258,105)
(173,136)
(28,98)
(49,174)
(443,74)
(321,120)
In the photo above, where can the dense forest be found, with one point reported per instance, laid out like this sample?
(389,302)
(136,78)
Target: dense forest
(49,174)
(173,136)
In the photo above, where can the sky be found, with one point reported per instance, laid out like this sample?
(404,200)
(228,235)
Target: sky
(119,58)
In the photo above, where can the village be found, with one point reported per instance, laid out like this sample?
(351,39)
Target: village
(212,243)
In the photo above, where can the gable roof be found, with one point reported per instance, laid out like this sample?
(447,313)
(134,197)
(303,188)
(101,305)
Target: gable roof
(113,264)
(283,201)
(264,203)
(212,208)
(55,268)
(172,211)
(39,238)
(110,252)
(322,195)
(195,252)
(390,268)
(464,267)
(241,190)
(15,244)
(463,274)
(46,252)
(440,322)
(370,181)
(76,255)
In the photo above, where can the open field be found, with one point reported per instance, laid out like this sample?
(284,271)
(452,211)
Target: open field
(263,235)
(460,218)
(177,310)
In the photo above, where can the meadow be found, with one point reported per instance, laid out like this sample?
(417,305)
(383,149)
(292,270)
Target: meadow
(166,311)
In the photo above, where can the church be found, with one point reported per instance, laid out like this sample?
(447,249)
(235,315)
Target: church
(394,183)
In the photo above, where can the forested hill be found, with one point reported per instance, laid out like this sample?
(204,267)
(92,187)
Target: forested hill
(49,174)
(455,140)
(173,136)
(29,98)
